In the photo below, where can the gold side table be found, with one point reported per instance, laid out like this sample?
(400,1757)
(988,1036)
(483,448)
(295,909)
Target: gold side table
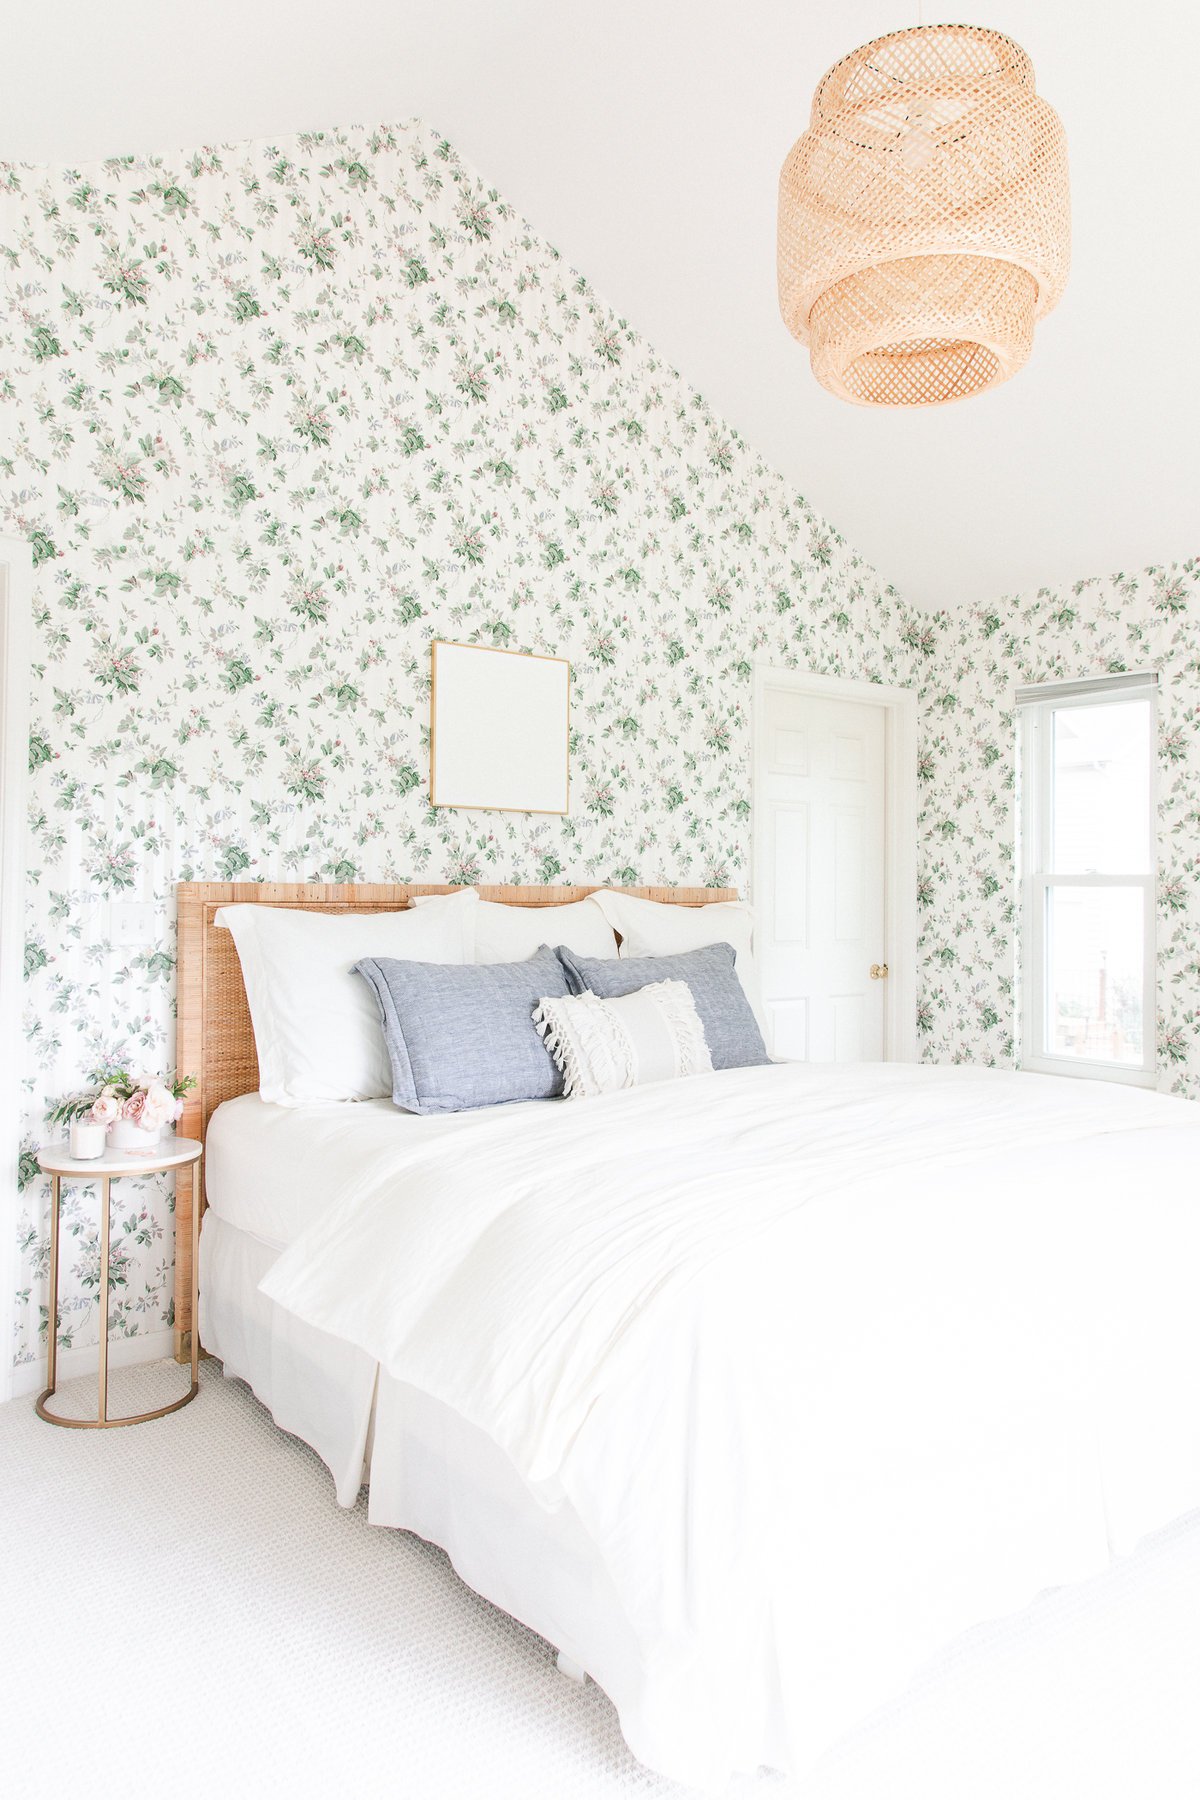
(60,1165)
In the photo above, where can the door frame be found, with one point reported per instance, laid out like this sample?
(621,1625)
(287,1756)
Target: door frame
(16,613)
(899,706)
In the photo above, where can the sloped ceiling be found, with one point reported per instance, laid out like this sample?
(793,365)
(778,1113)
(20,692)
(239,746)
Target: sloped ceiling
(644,137)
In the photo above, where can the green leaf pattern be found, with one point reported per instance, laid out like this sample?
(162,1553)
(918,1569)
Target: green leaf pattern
(274,416)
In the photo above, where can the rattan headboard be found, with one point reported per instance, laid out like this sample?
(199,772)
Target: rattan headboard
(215,1041)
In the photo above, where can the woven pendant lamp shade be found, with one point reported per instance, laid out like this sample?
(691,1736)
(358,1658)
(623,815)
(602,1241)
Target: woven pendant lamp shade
(924,218)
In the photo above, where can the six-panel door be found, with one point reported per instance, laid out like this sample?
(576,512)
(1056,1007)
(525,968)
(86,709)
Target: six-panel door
(821,903)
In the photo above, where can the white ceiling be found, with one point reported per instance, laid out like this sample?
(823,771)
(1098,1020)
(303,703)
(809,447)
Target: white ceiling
(644,138)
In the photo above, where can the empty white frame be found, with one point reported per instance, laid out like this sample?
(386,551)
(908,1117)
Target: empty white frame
(499,730)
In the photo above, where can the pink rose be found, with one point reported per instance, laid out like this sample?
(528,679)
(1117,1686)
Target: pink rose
(134,1107)
(105,1108)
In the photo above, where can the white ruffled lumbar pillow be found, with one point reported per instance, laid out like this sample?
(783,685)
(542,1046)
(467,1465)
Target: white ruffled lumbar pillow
(653,1034)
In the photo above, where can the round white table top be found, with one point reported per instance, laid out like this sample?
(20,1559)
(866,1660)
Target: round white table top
(170,1153)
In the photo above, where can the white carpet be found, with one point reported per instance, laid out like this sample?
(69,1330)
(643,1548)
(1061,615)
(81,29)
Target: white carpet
(185,1611)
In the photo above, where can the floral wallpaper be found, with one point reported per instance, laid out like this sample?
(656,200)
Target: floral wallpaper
(273,416)
(968,767)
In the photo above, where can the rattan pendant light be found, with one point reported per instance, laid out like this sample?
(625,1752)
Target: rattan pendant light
(924,218)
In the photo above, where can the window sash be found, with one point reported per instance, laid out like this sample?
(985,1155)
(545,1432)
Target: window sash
(1039,879)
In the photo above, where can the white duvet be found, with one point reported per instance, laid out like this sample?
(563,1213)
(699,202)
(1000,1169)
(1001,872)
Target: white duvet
(831,1362)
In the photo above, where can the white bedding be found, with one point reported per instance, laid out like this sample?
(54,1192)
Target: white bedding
(271,1169)
(318,1387)
(429,1470)
(748,1323)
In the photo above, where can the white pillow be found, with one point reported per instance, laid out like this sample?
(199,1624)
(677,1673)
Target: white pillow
(653,1034)
(316,1024)
(513,933)
(657,928)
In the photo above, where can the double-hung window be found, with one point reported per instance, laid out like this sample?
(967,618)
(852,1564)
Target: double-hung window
(1088,877)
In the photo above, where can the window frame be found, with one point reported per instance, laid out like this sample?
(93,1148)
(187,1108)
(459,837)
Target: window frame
(1038,879)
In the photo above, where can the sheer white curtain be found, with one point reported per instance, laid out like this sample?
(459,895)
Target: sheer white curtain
(16,576)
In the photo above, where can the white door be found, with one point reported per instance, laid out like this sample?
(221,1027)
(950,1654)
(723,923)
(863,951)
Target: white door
(820,888)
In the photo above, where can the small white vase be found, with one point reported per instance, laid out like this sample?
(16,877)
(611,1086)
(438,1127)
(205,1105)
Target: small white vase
(87,1139)
(132,1140)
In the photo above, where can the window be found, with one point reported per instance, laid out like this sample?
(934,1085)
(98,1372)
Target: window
(1088,877)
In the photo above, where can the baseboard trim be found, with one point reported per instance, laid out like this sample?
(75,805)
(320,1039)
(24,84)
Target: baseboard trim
(123,1353)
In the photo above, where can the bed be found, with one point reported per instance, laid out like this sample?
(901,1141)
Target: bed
(747,1391)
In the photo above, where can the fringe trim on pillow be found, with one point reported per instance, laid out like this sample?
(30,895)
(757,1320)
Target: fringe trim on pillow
(593,1051)
(562,1050)
(675,1001)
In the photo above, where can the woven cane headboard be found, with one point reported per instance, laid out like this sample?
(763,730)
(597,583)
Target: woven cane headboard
(214,1038)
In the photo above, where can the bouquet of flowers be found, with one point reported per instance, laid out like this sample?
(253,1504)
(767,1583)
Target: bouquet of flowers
(147,1101)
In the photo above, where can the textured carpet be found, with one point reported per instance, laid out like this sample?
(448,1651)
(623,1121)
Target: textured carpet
(184,1610)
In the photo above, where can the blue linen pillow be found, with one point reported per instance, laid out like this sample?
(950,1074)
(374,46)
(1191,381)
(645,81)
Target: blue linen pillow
(462,1035)
(734,1040)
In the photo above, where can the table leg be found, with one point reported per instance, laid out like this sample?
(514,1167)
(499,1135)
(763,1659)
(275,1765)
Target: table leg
(195,1272)
(102,1421)
(104,1228)
(52,1323)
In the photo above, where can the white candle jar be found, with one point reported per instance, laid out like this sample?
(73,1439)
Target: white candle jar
(87,1139)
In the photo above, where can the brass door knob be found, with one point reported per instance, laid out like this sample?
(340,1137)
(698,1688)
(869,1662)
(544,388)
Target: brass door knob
(879,971)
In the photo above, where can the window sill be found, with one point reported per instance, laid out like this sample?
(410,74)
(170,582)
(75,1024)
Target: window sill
(1090,1071)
